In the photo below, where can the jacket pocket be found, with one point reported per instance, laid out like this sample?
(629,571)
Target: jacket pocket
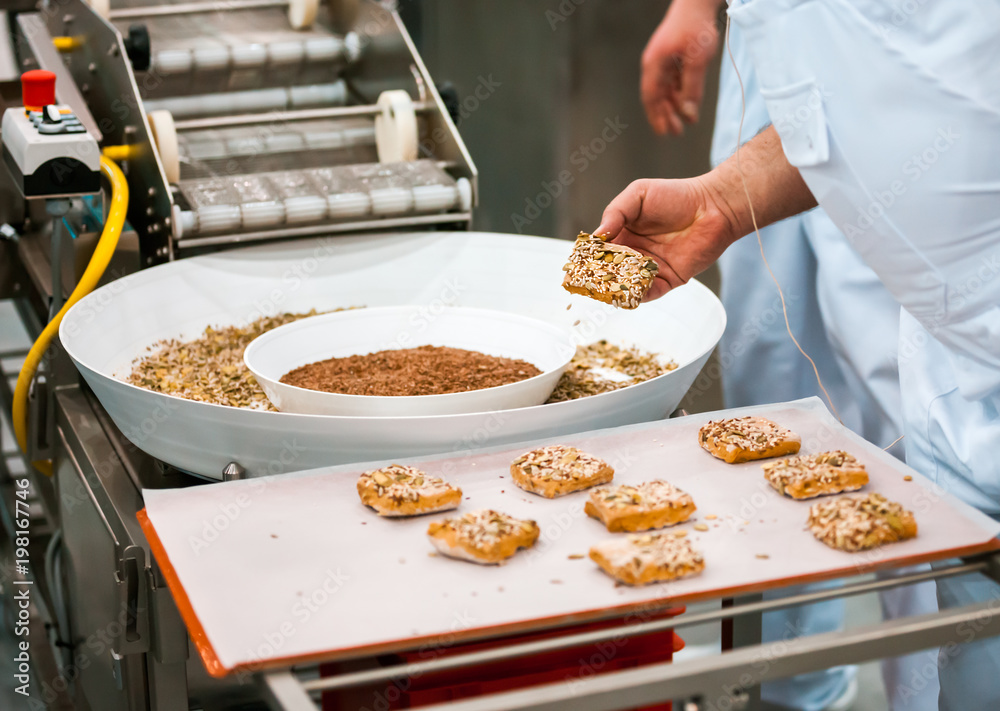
(799,118)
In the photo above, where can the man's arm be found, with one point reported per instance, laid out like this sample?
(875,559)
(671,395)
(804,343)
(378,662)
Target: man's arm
(687,224)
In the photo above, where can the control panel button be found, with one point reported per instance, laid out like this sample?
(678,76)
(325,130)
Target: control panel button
(38,89)
(51,114)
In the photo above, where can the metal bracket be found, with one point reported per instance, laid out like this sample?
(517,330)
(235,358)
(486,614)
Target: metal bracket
(992,569)
(41,423)
(133,604)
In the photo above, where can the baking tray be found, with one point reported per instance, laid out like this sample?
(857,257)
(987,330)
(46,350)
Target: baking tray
(284,570)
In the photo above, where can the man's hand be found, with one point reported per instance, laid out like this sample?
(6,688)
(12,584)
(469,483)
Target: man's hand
(677,222)
(674,64)
(685,225)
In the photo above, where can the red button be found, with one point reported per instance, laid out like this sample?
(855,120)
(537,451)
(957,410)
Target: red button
(38,89)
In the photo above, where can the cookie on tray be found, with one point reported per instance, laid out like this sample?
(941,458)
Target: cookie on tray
(810,475)
(857,523)
(743,439)
(611,273)
(642,558)
(652,504)
(486,537)
(398,490)
(558,470)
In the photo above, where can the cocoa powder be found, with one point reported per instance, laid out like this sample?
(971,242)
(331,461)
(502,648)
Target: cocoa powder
(427,370)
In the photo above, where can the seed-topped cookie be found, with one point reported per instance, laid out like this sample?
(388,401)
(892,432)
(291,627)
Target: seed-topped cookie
(612,273)
(652,504)
(856,523)
(398,490)
(642,558)
(486,537)
(810,475)
(558,470)
(742,439)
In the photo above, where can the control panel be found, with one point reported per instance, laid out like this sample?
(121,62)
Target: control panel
(45,146)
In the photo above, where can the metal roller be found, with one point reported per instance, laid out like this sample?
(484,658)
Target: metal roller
(301,13)
(269,201)
(253,101)
(256,55)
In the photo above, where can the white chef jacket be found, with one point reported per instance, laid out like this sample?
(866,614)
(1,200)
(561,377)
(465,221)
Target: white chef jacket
(891,112)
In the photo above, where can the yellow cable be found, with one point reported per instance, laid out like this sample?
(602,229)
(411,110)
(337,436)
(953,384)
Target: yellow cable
(91,276)
(120,153)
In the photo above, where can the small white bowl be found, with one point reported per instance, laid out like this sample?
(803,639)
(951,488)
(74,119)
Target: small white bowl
(358,332)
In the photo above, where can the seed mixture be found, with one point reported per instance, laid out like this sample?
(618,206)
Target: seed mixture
(583,377)
(809,475)
(640,507)
(400,490)
(558,470)
(209,368)
(611,273)
(485,536)
(649,494)
(741,439)
(557,461)
(638,559)
(427,370)
(855,523)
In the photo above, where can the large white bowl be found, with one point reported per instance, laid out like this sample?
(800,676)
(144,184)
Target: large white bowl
(497,333)
(115,324)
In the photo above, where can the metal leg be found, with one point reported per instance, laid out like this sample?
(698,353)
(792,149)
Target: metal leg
(284,692)
(746,631)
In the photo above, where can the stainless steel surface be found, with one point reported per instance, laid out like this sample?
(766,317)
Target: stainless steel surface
(741,609)
(233,472)
(39,40)
(287,116)
(388,223)
(283,691)
(9,69)
(101,69)
(192,8)
(716,681)
(708,678)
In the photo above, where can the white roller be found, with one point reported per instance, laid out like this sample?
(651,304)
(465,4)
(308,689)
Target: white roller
(211,58)
(341,205)
(432,198)
(396,127)
(302,13)
(101,7)
(161,123)
(173,61)
(391,201)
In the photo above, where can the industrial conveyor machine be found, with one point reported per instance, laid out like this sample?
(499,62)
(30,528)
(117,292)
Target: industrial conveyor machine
(287,156)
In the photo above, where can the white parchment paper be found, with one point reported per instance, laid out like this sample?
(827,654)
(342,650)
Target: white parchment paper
(294,566)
